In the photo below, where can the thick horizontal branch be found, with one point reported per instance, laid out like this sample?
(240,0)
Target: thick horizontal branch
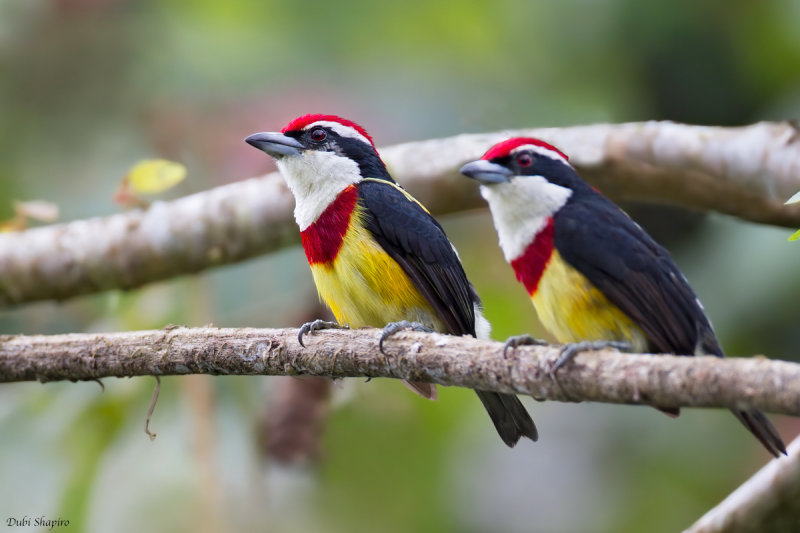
(602,376)
(746,172)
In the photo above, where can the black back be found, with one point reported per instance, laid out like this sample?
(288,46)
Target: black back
(413,238)
(638,276)
(634,272)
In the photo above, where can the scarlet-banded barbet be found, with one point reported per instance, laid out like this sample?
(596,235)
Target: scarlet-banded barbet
(377,256)
(593,274)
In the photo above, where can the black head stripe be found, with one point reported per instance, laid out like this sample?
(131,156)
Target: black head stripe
(369,163)
(554,170)
(557,172)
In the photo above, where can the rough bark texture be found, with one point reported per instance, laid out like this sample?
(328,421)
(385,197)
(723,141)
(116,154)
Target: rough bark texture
(604,376)
(746,172)
(767,502)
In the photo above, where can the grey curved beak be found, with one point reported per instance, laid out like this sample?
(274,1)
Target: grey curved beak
(486,172)
(275,144)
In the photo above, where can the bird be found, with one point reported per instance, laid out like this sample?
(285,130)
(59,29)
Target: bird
(593,274)
(377,256)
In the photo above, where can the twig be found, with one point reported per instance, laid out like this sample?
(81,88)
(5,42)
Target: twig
(151,409)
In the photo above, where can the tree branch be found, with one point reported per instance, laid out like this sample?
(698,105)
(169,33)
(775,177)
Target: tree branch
(746,172)
(127,250)
(603,376)
(768,501)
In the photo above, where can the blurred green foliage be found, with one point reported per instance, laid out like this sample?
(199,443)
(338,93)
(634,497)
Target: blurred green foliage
(89,87)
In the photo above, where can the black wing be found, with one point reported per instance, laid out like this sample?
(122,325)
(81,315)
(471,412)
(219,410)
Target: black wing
(635,273)
(413,238)
(638,276)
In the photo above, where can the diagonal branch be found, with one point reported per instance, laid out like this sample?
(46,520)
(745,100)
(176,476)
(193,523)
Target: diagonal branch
(768,501)
(746,172)
(604,376)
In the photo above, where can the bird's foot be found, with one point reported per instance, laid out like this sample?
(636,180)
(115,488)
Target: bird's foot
(394,327)
(310,327)
(571,350)
(521,340)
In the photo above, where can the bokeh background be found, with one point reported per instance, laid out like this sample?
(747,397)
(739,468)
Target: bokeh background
(89,87)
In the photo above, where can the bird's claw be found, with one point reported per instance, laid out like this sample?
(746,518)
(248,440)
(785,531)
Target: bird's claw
(393,327)
(571,350)
(315,325)
(521,340)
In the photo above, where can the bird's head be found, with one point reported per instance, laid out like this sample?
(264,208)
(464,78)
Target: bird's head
(524,169)
(319,156)
(525,181)
(324,145)
(520,157)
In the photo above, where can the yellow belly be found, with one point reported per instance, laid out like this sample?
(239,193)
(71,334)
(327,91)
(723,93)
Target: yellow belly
(573,310)
(364,286)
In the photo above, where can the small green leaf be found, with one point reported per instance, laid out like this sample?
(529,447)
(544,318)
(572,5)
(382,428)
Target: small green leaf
(794,236)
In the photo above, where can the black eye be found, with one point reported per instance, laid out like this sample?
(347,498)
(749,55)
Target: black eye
(524,160)
(318,134)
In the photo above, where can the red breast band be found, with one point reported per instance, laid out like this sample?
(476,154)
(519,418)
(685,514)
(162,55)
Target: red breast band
(530,266)
(323,239)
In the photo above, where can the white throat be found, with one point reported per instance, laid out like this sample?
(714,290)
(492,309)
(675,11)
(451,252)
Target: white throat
(316,179)
(520,210)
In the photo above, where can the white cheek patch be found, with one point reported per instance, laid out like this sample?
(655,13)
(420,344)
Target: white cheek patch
(520,210)
(316,179)
(340,129)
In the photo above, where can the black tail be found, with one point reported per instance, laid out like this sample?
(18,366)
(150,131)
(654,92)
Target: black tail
(509,416)
(760,426)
